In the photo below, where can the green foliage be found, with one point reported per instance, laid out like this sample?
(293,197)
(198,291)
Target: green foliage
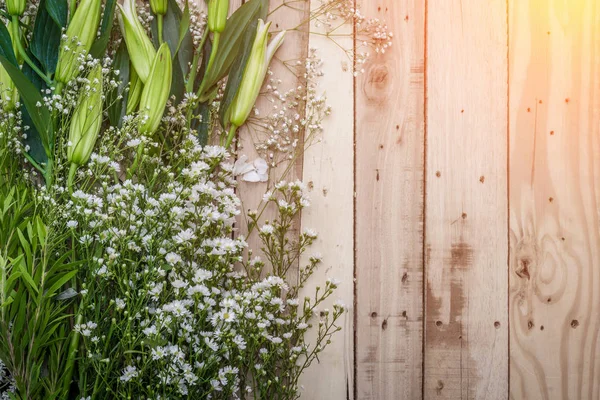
(34,325)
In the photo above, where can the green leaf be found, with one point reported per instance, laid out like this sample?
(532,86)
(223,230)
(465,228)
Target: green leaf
(177,35)
(184,25)
(117,107)
(45,41)
(60,282)
(99,47)
(231,40)
(28,279)
(58,10)
(237,72)
(29,95)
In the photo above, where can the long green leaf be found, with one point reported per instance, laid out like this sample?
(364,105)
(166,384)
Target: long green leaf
(99,47)
(231,40)
(58,10)
(30,96)
(237,72)
(118,106)
(28,279)
(60,282)
(45,40)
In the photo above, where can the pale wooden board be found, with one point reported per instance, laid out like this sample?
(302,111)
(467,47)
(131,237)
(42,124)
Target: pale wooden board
(466,251)
(295,47)
(554,63)
(389,209)
(329,173)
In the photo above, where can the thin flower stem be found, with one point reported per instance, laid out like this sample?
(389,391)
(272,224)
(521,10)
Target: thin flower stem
(231,135)
(23,53)
(160,28)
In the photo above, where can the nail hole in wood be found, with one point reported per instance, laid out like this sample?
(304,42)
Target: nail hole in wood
(574,324)
(482,179)
(404,277)
(384,324)
(438,174)
(373,314)
(529,324)
(497,324)
(438,323)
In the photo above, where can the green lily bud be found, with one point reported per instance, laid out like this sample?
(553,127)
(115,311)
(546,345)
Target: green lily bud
(217,15)
(156,90)
(79,38)
(159,7)
(86,120)
(254,74)
(15,7)
(139,46)
(135,91)
(8,91)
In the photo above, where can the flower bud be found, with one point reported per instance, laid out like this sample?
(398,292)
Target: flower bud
(8,91)
(254,73)
(139,46)
(86,119)
(156,90)
(135,91)
(217,15)
(79,38)
(159,6)
(15,7)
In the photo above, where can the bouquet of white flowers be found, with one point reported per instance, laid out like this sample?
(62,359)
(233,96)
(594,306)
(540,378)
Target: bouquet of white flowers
(121,275)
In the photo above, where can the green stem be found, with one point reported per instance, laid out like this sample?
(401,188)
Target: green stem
(232,131)
(213,52)
(189,86)
(136,161)
(97,381)
(71,179)
(48,175)
(22,53)
(160,27)
(73,347)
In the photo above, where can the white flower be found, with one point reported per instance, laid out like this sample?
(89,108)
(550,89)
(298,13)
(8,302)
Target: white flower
(129,372)
(267,229)
(173,258)
(258,171)
(119,303)
(72,224)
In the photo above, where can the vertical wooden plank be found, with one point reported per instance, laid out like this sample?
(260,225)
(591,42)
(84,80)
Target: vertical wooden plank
(329,174)
(554,199)
(292,16)
(466,257)
(389,209)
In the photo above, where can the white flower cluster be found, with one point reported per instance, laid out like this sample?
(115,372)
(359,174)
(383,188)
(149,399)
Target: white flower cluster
(173,310)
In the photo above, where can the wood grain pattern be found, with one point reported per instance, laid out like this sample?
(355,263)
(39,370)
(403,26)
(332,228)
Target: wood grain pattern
(293,18)
(389,209)
(555,197)
(329,175)
(466,333)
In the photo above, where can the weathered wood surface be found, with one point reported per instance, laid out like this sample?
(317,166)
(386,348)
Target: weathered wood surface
(554,199)
(466,249)
(389,209)
(468,209)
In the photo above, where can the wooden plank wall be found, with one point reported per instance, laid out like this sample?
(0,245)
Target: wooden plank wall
(457,194)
